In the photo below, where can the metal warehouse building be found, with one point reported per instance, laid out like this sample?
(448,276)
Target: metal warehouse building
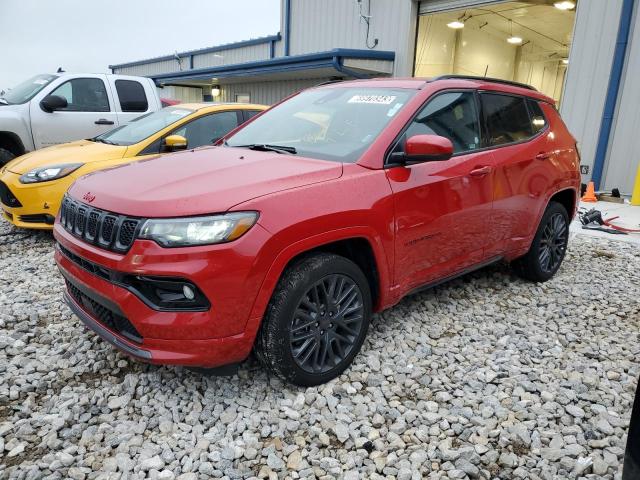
(584,53)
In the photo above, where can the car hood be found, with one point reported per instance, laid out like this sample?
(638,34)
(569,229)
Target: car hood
(203,181)
(82,151)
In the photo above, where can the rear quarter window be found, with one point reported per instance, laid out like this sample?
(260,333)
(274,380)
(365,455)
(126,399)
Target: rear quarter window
(506,118)
(538,120)
(132,96)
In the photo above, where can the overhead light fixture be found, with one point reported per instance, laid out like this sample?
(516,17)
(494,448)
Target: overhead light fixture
(456,24)
(513,39)
(565,5)
(215,90)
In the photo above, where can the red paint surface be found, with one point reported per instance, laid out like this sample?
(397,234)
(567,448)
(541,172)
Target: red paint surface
(424,222)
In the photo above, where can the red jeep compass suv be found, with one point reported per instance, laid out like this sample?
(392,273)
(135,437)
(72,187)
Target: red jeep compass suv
(331,205)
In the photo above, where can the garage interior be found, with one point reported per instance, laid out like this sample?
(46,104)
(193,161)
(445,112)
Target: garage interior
(526,41)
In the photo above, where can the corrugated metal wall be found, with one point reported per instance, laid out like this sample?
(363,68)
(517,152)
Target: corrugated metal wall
(154,68)
(184,94)
(266,93)
(221,57)
(624,148)
(323,25)
(231,56)
(587,78)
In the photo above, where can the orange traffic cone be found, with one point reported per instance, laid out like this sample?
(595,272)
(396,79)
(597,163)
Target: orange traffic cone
(590,194)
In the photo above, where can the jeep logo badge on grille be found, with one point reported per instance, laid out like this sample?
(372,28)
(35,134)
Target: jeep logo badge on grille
(89,197)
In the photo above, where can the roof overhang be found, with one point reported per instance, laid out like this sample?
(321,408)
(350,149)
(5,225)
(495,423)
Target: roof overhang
(338,62)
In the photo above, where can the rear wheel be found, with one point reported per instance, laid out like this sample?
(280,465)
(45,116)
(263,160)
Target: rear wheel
(316,321)
(5,157)
(548,248)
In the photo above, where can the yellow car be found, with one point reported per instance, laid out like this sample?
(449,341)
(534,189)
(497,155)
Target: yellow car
(32,186)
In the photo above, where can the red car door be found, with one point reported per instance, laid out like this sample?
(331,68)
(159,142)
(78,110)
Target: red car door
(442,207)
(516,126)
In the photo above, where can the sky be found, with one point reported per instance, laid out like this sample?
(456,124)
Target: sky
(38,36)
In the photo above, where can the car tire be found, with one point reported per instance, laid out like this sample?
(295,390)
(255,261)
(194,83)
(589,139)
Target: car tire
(316,321)
(548,247)
(5,157)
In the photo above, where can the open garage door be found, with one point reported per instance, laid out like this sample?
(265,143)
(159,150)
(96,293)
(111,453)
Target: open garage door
(524,41)
(433,6)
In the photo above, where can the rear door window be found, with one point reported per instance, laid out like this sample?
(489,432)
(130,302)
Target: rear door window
(506,119)
(132,96)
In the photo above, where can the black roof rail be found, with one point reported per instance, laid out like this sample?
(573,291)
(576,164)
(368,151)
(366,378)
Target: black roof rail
(485,79)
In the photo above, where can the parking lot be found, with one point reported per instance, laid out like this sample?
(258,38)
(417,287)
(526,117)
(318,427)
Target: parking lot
(484,377)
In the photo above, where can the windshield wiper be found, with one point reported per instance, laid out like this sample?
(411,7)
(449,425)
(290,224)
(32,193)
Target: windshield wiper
(262,147)
(102,140)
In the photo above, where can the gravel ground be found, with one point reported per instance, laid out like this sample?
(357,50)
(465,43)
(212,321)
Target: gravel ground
(485,377)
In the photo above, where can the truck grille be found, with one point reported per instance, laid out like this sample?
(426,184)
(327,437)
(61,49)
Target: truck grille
(7,197)
(98,227)
(109,318)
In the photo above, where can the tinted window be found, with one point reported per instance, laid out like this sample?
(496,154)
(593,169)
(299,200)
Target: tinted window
(332,123)
(250,114)
(26,90)
(84,95)
(207,130)
(452,115)
(144,126)
(132,96)
(538,120)
(506,118)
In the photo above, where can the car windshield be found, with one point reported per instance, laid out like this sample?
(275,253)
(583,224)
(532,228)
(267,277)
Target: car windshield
(144,126)
(336,123)
(26,90)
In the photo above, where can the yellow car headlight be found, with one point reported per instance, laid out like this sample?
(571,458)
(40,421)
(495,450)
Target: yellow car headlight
(51,172)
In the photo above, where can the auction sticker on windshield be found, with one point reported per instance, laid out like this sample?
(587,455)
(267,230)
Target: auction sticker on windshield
(375,99)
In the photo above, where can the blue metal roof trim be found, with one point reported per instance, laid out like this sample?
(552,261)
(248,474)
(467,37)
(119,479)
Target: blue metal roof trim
(308,61)
(216,48)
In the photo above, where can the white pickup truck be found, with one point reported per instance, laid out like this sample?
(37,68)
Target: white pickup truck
(56,108)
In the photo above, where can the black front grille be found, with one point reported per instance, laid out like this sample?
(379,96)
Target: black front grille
(7,197)
(102,313)
(101,228)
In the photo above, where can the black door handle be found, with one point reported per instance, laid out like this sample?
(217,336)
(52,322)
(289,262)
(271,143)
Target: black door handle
(104,121)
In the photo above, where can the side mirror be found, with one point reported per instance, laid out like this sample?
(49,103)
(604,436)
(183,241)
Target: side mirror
(174,143)
(51,103)
(424,148)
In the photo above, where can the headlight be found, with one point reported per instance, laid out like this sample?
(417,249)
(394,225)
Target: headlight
(53,172)
(181,232)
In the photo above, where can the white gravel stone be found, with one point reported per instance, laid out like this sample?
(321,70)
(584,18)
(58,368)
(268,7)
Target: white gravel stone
(484,377)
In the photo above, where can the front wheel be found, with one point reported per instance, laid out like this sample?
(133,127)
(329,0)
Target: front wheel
(548,248)
(5,157)
(316,321)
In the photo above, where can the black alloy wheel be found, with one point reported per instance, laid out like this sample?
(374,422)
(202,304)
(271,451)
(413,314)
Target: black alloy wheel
(316,321)
(548,247)
(553,243)
(326,324)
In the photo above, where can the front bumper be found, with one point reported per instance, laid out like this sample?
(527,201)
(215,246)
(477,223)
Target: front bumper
(226,274)
(39,202)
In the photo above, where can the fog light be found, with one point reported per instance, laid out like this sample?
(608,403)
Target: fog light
(188,292)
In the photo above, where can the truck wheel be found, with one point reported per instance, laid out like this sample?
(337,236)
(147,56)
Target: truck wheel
(5,157)
(548,248)
(316,321)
